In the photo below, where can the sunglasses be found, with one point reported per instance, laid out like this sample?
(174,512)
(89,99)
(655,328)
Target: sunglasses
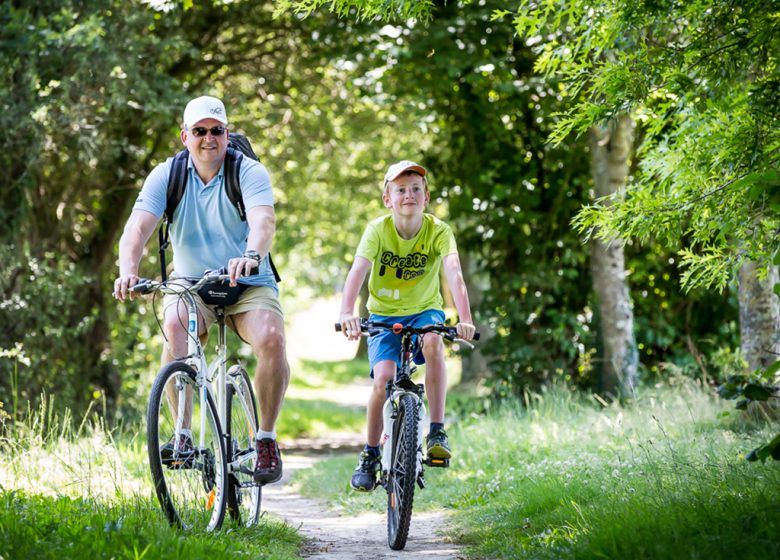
(202,130)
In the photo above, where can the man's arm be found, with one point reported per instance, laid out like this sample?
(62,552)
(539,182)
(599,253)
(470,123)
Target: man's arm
(138,230)
(350,324)
(262,227)
(457,286)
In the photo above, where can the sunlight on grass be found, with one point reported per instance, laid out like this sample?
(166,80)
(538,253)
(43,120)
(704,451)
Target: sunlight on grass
(86,492)
(566,477)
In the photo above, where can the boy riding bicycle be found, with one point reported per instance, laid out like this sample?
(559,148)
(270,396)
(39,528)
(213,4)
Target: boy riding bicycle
(405,251)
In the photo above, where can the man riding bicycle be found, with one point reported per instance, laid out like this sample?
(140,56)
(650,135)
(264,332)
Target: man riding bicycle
(207,233)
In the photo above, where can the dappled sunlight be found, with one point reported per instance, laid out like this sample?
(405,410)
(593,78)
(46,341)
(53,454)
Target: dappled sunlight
(89,466)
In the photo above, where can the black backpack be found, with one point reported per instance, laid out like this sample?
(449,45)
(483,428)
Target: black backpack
(238,147)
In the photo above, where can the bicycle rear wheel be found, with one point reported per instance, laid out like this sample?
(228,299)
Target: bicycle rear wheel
(189,479)
(403,473)
(244,494)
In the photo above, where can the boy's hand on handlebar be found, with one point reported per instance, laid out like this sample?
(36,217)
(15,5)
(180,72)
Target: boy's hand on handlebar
(466,331)
(350,326)
(122,287)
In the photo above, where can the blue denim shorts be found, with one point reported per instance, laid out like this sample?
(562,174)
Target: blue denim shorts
(387,346)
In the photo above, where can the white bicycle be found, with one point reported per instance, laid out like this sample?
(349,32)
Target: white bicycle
(202,449)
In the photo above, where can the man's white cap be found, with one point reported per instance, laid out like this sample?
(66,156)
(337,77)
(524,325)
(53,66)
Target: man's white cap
(404,165)
(204,107)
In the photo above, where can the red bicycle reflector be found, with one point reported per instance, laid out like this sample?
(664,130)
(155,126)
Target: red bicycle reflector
(397,327)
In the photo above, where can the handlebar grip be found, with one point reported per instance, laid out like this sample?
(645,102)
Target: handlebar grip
(338,327)
(142,287)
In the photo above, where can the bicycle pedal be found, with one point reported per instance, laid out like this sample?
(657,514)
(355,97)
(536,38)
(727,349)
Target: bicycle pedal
(421,482)
(440,463)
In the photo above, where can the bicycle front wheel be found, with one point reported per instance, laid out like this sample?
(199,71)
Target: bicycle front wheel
(244,494)
(403,473)
(189,473)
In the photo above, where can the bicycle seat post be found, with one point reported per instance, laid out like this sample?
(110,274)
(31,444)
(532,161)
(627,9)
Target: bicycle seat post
(222,357)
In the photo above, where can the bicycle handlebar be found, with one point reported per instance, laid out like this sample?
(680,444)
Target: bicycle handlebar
(146,285)
(450,333)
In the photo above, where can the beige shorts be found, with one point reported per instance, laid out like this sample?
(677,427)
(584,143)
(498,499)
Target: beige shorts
(254,297)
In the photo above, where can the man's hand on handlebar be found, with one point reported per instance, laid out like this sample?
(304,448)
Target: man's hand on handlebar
(241,266)
(122,287)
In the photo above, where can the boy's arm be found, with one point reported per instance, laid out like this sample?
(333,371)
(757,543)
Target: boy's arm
(350,324)
(457,286)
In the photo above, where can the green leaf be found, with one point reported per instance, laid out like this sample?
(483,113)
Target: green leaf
(771,449)
(756,392)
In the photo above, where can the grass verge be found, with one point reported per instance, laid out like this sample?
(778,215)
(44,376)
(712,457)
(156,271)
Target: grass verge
(88,494)
(565,477)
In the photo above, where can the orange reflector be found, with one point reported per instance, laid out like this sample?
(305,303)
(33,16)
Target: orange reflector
(397,327)
(210,501)
(392,500)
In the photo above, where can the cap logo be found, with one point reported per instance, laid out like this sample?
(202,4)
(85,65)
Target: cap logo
(216,110)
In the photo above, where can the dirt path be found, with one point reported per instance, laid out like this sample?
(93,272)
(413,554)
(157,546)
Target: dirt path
(332,535)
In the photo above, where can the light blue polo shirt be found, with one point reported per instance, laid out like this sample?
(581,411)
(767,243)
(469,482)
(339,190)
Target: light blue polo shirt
(206,231)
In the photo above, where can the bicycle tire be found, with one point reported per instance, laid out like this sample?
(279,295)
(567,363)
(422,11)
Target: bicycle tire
(189,486)
(244,494)
(402,475)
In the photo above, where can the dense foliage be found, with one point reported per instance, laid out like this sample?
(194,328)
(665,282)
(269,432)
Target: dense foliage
(92,92)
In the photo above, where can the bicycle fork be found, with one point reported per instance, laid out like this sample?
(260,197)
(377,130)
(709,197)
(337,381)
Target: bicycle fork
(389,417)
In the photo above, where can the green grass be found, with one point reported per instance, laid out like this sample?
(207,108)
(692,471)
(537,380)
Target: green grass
(311,418)
(310,408)
(312,374)
(48,527)
(567,478)
(88,494)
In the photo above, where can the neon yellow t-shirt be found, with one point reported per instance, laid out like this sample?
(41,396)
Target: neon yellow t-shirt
(405,272)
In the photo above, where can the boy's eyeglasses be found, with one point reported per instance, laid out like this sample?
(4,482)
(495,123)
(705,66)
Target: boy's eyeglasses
(202,130)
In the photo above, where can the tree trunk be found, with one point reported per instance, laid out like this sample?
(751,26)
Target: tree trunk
(610,154)
(759,316)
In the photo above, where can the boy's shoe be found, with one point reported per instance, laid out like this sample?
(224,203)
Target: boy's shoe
(185,447)
(268,467)
(364,477)
(438,445)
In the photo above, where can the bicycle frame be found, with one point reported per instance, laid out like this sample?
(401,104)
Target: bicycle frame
(210,377)
(400,385)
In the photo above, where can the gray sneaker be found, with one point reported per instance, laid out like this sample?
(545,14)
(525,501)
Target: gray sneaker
(364,477)
(438,445)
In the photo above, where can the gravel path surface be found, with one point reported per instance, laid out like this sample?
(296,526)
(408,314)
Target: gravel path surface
(331,534)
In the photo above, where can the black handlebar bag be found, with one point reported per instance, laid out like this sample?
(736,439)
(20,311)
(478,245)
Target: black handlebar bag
(221,293)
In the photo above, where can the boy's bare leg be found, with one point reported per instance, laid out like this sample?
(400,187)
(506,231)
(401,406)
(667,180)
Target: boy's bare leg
(435,376)
(383,372)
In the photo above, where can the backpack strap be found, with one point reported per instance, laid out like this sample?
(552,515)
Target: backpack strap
(177,182)
(233,160)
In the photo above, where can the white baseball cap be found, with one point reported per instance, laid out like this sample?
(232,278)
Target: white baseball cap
(395,170)
(204,107)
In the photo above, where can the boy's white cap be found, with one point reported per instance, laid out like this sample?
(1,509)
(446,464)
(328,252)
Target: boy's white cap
(404,165)
(204,107)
